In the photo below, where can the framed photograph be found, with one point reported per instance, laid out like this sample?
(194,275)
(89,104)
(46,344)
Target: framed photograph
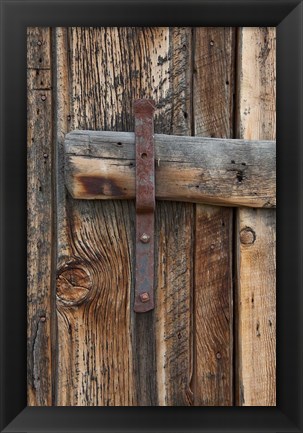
(184,316)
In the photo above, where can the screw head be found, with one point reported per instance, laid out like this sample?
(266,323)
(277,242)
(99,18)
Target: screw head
(144,297)
(43,97)
(145,238)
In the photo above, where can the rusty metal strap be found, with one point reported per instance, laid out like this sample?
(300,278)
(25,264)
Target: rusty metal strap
(145,205)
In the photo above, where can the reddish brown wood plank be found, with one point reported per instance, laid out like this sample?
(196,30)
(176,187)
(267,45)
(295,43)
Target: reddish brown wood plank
(213,306)
(213,116)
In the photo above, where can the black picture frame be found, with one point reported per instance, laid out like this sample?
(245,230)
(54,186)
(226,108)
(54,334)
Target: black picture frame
(287,16)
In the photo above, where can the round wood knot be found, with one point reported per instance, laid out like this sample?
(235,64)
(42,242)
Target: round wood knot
(73,285)
(247,236)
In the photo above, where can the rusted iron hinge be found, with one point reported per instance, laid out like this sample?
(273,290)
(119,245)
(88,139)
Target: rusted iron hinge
(145,205)
(91,174)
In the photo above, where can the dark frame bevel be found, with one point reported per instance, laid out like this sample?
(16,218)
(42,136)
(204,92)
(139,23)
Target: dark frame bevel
(15,17)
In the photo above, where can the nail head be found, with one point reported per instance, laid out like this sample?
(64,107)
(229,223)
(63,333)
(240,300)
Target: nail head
(145,238)
(144,297)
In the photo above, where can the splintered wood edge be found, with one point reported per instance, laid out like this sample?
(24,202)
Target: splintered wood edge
(101,165)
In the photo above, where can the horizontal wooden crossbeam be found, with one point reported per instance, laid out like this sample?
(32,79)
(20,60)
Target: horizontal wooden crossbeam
(225,172)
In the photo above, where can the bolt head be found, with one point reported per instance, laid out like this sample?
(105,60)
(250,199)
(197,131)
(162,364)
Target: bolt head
(145,238)
(144,297)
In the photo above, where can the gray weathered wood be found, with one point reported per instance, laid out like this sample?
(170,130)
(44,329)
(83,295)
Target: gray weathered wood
(40,163)
(101,165)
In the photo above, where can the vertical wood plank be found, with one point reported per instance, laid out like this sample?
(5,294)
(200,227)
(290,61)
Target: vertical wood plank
(40,217)
(107,353)
(174,307)
(93,278)
(213,298)
(63,125)
(174,235)
(256,264)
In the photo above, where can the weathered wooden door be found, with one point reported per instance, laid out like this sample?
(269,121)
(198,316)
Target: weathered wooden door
(211,338)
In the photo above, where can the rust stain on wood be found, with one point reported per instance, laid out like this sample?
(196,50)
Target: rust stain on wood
(98,185)
(201,170)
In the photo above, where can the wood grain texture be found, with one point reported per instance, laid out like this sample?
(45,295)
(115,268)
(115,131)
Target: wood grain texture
(213,306)
(63,124)
(100,352)
(213,116)
(173,312)
(94,364)
(256,232)
(107,353)
(256,264)
(174,225)
(93,301)
(40,217)
(101,165)
(214,71)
